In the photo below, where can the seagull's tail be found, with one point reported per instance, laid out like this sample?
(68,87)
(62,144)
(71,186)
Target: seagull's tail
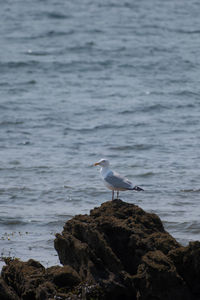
(137,188)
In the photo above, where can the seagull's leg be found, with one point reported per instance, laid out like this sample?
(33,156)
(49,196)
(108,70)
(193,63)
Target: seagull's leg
(117,194)
(113,195)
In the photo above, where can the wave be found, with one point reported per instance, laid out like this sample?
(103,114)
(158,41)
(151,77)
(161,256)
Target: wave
(56,15)
(146,174)
(154,107)
(95,128)
(15,65)
(186,93)
(148,108)
(190,190)
(10,221)
(132,147)
(10,123)
(184,31)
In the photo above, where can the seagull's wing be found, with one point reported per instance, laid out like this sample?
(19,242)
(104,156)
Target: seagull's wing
(118,181)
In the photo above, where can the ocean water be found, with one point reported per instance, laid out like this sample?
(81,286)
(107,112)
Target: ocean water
(81,80)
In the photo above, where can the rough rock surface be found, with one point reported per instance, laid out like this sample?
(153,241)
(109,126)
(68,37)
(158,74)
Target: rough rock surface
(117,252)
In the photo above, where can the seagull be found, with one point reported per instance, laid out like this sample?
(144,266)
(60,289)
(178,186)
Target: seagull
(113,180)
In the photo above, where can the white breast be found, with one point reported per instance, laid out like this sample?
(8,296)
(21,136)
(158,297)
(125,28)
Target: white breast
(104,172)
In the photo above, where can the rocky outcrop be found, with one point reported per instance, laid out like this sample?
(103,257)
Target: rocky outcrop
(30,280)
(117,252)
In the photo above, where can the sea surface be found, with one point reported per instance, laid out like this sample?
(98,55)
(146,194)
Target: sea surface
(82,80)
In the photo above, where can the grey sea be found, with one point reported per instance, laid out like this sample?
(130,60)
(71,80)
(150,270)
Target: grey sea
(83,80)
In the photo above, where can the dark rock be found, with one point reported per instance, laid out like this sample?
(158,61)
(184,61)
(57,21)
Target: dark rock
(187,263)
(24,277)
(128,253)
(111,240)
(6,292)
(64,276)
(157,278)
(117,252)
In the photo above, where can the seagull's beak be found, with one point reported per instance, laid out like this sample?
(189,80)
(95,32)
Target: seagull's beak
(97,164)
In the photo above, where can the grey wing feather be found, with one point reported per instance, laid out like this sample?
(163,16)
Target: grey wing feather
(118,181)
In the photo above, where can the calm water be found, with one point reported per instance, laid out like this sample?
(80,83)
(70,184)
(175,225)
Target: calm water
(81,80)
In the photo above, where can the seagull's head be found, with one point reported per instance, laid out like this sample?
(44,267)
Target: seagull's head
(103,163)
